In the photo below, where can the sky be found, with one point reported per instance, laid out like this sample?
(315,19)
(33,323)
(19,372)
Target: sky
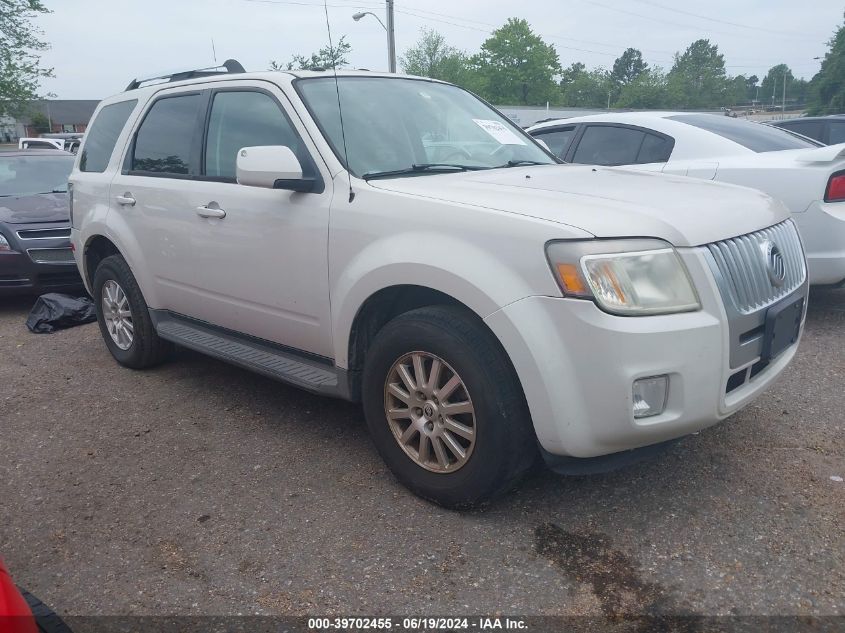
(98,46)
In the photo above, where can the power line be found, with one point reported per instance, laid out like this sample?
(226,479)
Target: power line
(720,21)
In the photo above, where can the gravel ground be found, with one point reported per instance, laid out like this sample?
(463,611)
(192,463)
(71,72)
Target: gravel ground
(199,488)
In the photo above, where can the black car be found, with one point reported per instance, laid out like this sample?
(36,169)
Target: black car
(829,130)
(35,252)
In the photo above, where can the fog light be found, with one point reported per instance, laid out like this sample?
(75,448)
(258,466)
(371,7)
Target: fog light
(650,396)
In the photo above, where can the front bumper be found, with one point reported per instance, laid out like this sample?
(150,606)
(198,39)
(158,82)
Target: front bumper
(40,260)
(577,365)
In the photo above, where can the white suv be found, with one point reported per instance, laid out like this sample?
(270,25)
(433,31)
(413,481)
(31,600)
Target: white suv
(396,241)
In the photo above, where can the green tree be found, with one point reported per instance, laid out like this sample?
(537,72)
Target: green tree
(432,57)
(20,48)
(771,88)
(515,66)
(586,89)
(698,78)
(826,93)
(628,67)
(326,57)
(648,90)
(751,85)
(39,123)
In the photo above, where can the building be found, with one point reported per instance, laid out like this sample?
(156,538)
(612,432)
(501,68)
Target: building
(63,115)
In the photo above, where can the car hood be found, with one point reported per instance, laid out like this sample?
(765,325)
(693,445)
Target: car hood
(44,207)
(607,202)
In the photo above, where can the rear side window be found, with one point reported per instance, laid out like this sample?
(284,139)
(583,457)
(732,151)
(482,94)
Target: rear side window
(166,142)
(558,140)
(754,136)
(102,135)
(813,129)
(244,119)
(609,145)
(837,132)
(655,149)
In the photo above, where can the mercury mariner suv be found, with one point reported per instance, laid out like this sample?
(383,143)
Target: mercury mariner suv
(396,241)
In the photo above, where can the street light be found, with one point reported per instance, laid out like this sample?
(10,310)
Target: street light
(391,38)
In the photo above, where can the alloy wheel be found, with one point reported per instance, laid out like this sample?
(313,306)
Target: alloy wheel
(117,315)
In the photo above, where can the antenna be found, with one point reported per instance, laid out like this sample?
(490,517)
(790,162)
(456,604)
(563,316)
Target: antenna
(337,90)
(213,50)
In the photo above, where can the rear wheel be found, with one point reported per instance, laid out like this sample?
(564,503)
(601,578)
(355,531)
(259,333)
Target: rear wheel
(445,408)
(124,317)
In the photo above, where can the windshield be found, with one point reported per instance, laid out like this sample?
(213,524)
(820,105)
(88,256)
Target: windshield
(395,125)
(754,136)
(27,175)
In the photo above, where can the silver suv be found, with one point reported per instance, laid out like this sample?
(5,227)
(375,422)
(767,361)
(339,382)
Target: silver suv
(396,241)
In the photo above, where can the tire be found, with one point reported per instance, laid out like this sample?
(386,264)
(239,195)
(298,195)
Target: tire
(145,349)
(504,446)
(46,619)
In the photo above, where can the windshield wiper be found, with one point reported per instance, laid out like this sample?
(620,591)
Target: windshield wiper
(520,163)
(423,168)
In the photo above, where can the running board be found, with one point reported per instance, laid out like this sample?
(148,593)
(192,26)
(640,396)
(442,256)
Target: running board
(253,354)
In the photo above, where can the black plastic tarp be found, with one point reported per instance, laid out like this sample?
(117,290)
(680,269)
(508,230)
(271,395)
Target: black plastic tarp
(55,311)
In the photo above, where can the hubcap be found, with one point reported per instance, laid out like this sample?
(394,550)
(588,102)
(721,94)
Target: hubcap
(430,412)
(117,315)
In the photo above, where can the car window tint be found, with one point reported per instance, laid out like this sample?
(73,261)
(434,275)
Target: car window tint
(813,129)
(608,145)
(102,135)
(836,133)
(558,140)
(655,149)
(244,119)
(165,138)
(754,136)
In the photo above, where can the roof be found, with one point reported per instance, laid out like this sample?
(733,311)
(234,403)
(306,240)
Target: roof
(64,111)
(35,152)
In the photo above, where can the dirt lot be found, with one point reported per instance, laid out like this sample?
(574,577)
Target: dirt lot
(198,488)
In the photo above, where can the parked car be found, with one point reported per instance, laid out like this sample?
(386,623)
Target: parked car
(40,143)
(35,251)
(829,130)
(423,255)
(809,178)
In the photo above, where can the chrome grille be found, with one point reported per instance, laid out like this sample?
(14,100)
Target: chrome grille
(43,234)
(51,255)
(743,264)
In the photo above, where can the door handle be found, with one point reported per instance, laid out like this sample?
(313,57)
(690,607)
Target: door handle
(211,212)
(125,200)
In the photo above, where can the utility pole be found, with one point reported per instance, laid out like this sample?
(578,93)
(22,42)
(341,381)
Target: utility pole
(391,38)
(783,99)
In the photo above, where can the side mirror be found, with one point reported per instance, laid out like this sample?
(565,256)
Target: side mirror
(271,167)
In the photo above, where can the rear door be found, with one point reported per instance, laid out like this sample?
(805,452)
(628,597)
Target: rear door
(151,199)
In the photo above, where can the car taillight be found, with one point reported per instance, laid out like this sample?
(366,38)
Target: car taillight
(70,201)
(835,191)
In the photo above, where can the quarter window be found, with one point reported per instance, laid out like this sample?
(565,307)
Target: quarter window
(166,138)
(558,140)
(244,119)
(836,132)
(102,136)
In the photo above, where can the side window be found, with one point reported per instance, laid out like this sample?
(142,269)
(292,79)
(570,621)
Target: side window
(245,119)
(558,140)
(813,129)
(836,132)
(655,149)
(102,135)
(165,139)
(608,145)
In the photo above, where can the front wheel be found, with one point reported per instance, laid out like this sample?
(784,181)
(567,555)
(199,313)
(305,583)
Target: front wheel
(445,408)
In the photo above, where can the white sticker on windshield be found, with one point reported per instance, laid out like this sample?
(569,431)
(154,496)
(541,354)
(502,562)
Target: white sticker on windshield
(498,131)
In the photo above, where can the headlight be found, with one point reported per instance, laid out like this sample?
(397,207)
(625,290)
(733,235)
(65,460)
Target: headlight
(627,277)
(4,243)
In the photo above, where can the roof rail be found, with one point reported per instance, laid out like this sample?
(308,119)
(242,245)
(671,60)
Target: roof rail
(230,66)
